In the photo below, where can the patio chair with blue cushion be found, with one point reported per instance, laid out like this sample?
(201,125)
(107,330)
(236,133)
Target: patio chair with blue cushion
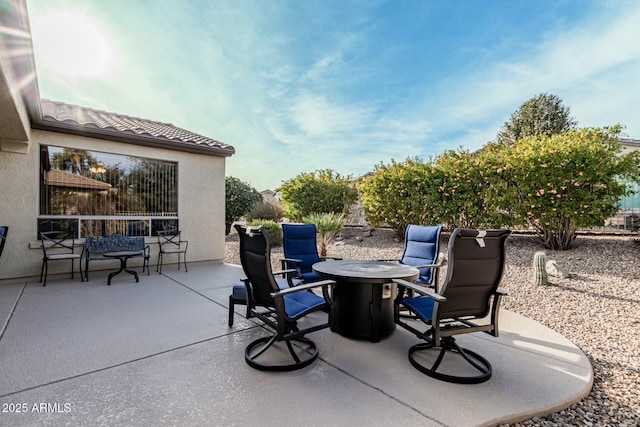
(279,305)
(468,301)
(421,246)
(301,251)
(58,246)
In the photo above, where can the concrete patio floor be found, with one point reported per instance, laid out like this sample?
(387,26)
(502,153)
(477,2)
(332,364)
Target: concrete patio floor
(159,352)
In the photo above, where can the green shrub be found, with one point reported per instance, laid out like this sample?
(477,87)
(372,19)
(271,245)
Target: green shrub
(265,210)
(559,183)
(448,190)
(273,229)
(400,194)
(320,191)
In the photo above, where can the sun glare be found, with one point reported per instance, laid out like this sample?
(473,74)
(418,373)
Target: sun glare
(71,44)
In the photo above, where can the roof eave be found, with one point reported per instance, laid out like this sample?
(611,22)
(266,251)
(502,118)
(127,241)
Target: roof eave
(143,140)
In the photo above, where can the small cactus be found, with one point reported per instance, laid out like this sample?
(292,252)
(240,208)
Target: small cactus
(539,268)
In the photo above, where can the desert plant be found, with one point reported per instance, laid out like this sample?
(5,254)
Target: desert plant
(273,229)
(328,226)
(264,210)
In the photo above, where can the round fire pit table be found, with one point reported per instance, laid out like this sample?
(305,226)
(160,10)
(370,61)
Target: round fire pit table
(364,295)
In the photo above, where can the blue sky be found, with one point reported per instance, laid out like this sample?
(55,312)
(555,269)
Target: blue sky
(297,86)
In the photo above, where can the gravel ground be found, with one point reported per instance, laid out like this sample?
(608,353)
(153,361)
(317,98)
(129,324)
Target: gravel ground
(597,308)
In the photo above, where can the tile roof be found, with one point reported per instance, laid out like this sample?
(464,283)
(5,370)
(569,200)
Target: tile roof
(58,178)
(67,118)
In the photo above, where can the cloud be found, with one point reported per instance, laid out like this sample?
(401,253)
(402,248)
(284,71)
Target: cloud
(299,87)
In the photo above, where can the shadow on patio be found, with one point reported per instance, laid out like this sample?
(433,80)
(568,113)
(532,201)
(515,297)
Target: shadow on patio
(160,352)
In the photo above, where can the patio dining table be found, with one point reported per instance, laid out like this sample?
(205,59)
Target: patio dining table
(364,295)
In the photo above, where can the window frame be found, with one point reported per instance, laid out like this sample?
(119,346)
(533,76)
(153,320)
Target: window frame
(75,222)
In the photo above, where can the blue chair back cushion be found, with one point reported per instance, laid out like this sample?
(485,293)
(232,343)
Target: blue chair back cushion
(421,248)
(299,242)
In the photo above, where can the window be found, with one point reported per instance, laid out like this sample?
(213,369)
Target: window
(98,194)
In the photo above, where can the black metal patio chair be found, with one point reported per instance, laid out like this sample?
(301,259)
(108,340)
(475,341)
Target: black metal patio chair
(171,242)
(468,301)
(58,246)
(3,237)
(279,305)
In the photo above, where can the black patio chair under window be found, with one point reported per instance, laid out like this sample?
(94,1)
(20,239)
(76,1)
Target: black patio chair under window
(170,242)
(279,305)
(58,246)
(469,293)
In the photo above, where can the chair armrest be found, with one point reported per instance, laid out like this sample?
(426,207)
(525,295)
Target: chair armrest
(324,258)
(297,263)
(304,287)
(284,272)
(420,290)
(388,260)
(428,266)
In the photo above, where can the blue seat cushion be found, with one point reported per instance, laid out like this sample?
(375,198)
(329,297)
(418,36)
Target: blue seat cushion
(239,293)
(298,303)
(421,306)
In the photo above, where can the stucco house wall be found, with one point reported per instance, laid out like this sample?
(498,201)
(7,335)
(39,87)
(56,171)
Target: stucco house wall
(27,122)
(200,201)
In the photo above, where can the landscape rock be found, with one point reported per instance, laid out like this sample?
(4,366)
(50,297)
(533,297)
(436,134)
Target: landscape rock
(556,270)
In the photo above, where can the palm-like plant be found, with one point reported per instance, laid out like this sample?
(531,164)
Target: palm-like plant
(328,226)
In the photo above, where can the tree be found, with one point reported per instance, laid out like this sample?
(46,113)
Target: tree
(322,191)
(561,182)
(543,114)
(75,161)
(240,197)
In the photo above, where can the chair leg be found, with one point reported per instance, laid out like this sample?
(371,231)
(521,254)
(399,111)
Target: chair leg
(45,269)
(184,259)
(306,347)
(231,310)
(159,264)
(449,345)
